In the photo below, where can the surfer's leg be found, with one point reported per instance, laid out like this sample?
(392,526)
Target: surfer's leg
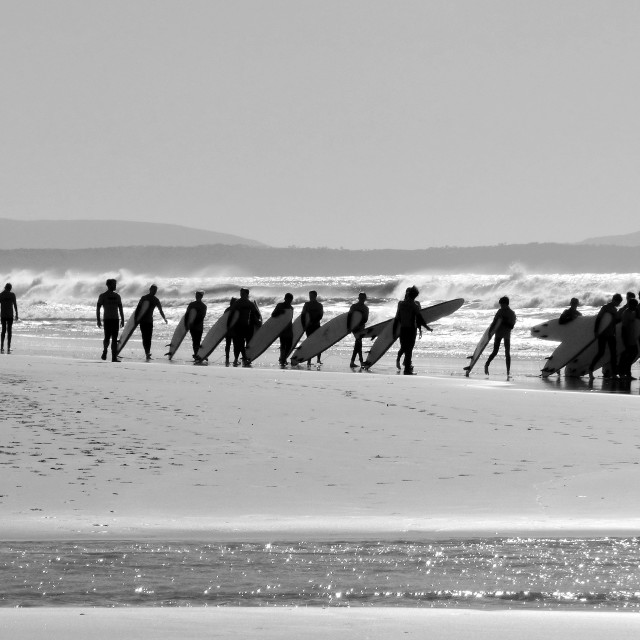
(146,329)
(507,352)
(227,349)
(4,332)
(493,354)
(602,347)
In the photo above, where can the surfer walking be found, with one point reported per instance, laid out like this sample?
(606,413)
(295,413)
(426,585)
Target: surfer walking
(146,319)
(607,336)
(8,304)
(286,335)
(196,327)
(312,312)
(248,317)
(505,320)
(571,313)
(112,304)
(361,307)
(629,334)
(228,338)
(407,322)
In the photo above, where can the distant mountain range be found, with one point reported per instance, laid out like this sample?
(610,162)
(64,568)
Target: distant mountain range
(626,240)
(93,234)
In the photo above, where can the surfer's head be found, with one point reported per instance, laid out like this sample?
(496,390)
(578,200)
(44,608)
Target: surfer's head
(630,295)
(111,284)
(504,300)
(362,296)
(575,302)
(153,289)
(7,287)
(412,292)
(233,300)
(616,299)
(313,295)
(288,297)
(199,294)
(244,293)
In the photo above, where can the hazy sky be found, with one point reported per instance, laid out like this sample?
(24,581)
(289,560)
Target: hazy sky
(363,124)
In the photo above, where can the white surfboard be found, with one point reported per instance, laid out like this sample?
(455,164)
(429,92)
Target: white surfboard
(180,332)
(374,330)
(215,335)
(553,330)
(490,331)
(130,326)
(325,337)
(298,332)
(267,334)
(577,350)
(386,337)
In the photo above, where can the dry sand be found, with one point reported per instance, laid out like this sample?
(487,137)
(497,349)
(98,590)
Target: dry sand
(95,450)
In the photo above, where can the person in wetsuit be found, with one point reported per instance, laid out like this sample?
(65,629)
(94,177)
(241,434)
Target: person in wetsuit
(629,334)
(286,336)
(607,336)
(408,321)
(571,313)
(8,304)
(228,339)
(112,304)
(146,320)
(356,330)
(312,312)
(248,319)
(503,332)
(196,327)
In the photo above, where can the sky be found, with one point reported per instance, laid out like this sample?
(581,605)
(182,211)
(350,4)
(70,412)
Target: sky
(358,124)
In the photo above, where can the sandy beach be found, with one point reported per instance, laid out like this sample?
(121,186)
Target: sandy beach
(95,451)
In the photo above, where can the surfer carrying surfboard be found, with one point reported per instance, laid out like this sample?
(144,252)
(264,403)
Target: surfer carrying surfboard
(7,304)
(357,330)
(312,312)
(146,320)
(607,336)
(196,327)
(505,319)
(407,322)
(248,317)
(570,314)
(112,304)
(286,335)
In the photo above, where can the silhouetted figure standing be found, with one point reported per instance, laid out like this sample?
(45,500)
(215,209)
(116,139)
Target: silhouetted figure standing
(408,320)
(8,304)
(228,339)
(146,321)
(570,314)
(629,334)
(286,336)
(508,320)
(607,338)
(312,312)
(196,327)
(364,310)
(248,319)
(112,304)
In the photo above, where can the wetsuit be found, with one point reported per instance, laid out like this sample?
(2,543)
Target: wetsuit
(607,338)
(112,305)
(7,305)
(146,321)
(357,347)
(312,312)
(241,332)
(629,334)
(568,315)
(286,336)
(408,319)
(196,328)
(503,332)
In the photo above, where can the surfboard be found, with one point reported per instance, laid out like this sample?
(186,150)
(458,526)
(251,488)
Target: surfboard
(482,344)
(374,330)
(553,330)
(577,350)
(130,326)
(387,336)
(180,332)
(298,332)
(325,337)
(267,334)
(215,335)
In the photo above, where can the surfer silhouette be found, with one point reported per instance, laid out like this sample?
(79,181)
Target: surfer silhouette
(228,338)
(503,332)
(364,310)
(607,337)
(286,336)
(8,304)
(312,312)
(570,314)
(408,321)
(112,304)
(196,328)
(248,318)
(146,321)
(629,334)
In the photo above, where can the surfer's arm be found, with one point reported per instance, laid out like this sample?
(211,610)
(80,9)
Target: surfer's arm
(161,312)
(15,305)
(98,312)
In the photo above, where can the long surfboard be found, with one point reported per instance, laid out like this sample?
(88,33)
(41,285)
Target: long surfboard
(130,326)
(326,336)
(298,332)
(576,352)
(553,330)
(215,335)
(267,334)
(387,336)
(180,333)
(481,346)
